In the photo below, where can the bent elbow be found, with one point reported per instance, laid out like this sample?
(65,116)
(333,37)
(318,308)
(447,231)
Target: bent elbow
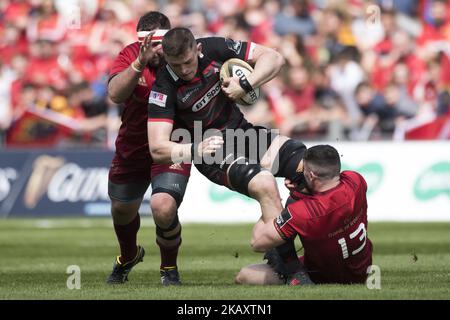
(115,99)
(256,246)
(113,93)
(280,60)
(156,155)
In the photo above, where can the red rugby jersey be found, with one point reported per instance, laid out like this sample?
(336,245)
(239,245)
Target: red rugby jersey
(132,142)
(332,226)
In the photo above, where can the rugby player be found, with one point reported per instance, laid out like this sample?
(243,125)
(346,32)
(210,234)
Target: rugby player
(131,78)
(331,220)
(187,92)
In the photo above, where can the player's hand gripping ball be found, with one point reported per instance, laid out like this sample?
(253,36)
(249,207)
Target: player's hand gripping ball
(240,69)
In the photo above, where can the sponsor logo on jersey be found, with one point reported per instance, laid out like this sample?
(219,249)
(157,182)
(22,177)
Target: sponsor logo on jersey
(184,99)
(157,98)
(235,46)
(283,218)
(142,82)
(208,96)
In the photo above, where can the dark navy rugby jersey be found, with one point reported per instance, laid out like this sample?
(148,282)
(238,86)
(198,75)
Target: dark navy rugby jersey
(201,99)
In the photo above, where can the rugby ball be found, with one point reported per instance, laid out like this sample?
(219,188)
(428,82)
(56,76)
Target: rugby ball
(239,68)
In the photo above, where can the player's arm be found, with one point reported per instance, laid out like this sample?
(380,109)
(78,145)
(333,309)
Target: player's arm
(272,233)
(265,236)
(121,85)
(267,64)
(162,149)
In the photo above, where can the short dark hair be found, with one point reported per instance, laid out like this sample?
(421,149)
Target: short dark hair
(153,20)
(325,159)
(177,41)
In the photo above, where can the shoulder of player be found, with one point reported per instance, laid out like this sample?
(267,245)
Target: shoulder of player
(209,40)
(352,177)
(307,208)
(211,44)
(131,50)
(165,77)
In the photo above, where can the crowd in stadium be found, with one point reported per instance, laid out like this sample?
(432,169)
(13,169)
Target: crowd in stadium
(355,70)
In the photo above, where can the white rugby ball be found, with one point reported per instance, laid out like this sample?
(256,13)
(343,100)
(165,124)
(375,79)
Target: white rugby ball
(239,68)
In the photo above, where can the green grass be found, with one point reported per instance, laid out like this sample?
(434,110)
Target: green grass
(35,254)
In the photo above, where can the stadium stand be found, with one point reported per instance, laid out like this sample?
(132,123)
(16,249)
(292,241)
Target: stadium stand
(356,70)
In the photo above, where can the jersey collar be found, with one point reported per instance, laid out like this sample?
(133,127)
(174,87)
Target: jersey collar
(172,73)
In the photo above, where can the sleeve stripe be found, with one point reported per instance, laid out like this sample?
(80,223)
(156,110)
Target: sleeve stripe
(282,235)
(249,51)
(160,120)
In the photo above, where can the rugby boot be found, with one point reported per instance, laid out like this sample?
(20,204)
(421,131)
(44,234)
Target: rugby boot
(299,278)
(120,271)
(170,276)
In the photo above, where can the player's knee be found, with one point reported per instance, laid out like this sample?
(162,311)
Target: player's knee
(119,208)
(263,184)
(164,208)
(266,163)
(267,160)
(241,173)
(169,233)
(289,157)
(241,277)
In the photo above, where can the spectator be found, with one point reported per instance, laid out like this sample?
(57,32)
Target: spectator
(295,18)
(196,21)
(46,23)
(381,112)
(294,50)
(7,76)
(345,74)
(299,98)
(331,116)
(335,32)
(43,66)
(404,56)
(12,42)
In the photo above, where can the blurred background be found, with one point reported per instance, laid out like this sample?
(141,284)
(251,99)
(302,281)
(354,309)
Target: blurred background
(365,76)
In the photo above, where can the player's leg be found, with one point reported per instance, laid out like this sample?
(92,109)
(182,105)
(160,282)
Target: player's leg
(283,157)
(257,179)
(273,272)
(125,202)
(258,274)
(263,188)
(169,185)
(249,179)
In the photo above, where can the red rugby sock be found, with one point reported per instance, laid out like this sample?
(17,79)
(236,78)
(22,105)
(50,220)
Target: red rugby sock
(127,234)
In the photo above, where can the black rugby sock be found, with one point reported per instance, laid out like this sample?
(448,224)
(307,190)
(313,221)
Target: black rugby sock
(289,256)
(169,254)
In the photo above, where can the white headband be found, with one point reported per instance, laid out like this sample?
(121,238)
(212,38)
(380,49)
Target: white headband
(157,36)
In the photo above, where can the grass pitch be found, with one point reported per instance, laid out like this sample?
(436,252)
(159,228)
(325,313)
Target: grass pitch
(414,259)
